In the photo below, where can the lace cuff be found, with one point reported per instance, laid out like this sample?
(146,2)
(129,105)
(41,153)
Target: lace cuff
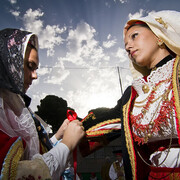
(54,140)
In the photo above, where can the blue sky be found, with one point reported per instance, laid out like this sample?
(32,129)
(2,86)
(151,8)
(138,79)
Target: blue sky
(81,46)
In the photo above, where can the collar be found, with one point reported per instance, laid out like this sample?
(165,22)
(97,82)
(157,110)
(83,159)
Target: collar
(27,100)
(163,61)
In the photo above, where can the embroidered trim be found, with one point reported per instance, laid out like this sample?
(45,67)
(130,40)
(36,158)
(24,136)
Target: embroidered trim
(150,114)
(10,164)
(175,77)
(128,136)
(91,132)
(90,115)
(144,132)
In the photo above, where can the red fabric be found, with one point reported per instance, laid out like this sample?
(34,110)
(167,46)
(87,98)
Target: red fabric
(71,115)
(164,173)
(5,143)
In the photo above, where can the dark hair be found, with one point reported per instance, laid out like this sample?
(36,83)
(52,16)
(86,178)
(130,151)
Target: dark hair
(31,46)
(139,23)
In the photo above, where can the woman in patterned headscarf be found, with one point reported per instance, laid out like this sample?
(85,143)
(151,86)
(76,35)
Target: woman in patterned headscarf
(23,139)
(149,109)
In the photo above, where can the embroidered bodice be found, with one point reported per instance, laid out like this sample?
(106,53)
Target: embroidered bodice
(153,115)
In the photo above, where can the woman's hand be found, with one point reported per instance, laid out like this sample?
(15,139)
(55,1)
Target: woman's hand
(73,134)
(59,134)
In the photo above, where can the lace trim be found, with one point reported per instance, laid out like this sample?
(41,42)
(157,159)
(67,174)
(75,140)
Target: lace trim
(17,121)
(148,111)
(162,73)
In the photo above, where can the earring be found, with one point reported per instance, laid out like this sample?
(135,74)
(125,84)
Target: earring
(160,42)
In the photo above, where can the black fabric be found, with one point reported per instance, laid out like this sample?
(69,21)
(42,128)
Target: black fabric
(43,137)
(126,160)
(11,60)
(27,100)
(164,61)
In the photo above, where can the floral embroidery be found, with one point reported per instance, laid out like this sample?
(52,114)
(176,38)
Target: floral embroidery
(30,177)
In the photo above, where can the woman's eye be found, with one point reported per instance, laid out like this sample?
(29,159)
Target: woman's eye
(31,66)
(134,35)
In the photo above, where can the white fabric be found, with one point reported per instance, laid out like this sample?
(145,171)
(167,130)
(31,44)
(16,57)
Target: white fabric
(166,26)
(112,172)
(161,73)
(56,159)
(15,120)
(109,126)
(53,139)
(172,160)
(34,41)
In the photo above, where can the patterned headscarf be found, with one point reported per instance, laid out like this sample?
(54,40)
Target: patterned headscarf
(15,118)
(13,43)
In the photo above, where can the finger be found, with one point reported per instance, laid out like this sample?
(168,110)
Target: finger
(82,127)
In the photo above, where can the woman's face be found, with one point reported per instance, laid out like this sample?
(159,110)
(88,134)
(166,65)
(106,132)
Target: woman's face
(141,45)
(31,62)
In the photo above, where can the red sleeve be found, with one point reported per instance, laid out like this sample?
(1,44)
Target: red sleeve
(5,143)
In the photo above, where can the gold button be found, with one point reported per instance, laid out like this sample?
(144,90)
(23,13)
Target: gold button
(143,111)
(145,88)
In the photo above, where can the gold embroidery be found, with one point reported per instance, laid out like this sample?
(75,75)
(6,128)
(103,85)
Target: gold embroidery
(159,20)
(99,132)
(104,123)
(175,88)
(10,164)
(128,136)
(90,115)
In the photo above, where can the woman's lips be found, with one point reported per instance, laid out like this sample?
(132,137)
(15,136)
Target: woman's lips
(133,53)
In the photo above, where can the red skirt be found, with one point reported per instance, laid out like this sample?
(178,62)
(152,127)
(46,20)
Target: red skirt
(164,173)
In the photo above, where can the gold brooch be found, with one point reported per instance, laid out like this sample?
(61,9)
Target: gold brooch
(159,20)
(145,88)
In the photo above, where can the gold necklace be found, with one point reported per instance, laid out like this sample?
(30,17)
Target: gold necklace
(153,125)
(170,143)
(153,90)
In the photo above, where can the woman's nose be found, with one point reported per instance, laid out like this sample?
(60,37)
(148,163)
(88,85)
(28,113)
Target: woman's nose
(34,74)
(128,45)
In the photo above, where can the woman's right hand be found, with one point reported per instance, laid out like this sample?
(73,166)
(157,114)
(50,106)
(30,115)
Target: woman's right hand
(73,134)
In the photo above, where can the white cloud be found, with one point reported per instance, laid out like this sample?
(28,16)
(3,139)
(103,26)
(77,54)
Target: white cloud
(121,1)
(31,21)
(39,95)
(100,90)
(49,36)
(136,15)
(15,13)
(13,1)
(57,76)
(83,48)
(121,54)
(43,71)
(109,43)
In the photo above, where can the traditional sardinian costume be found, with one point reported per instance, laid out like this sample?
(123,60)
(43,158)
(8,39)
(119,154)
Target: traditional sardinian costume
(23,137)
(149,110)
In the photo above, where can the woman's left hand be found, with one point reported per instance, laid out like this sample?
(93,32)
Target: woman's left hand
(59,134)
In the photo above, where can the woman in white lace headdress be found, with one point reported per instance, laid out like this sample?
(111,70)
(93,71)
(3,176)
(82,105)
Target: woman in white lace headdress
(149,109)
(26,151)
(153,45)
